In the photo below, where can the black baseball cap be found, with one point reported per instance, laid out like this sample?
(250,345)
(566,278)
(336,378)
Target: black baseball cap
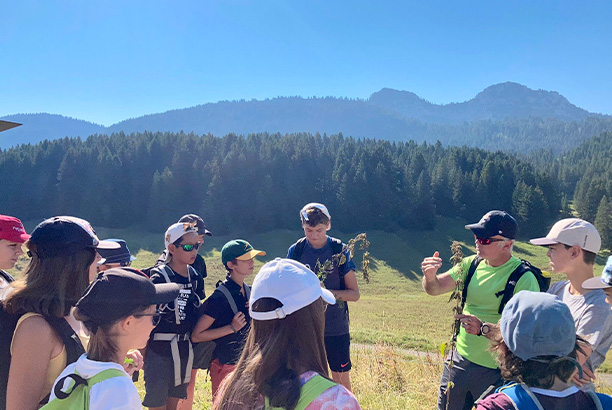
(198,223)
(66,235)
(495,223)
(118,292)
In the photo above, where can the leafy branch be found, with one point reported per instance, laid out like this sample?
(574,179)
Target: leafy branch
(457,296)
(327,267)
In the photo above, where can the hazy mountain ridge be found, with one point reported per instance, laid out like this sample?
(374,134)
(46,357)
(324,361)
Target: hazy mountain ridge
(41,126)
(497,102)
(503,116)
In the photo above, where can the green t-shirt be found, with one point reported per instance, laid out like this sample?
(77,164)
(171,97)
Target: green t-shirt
(482,303)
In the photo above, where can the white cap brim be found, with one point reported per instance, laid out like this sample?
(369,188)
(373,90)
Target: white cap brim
(328,296)
(595,283)
(543,241)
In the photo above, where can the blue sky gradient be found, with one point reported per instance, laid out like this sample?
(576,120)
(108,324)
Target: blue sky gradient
(112,60)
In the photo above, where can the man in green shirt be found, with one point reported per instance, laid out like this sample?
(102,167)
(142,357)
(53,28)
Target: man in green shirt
(474,368)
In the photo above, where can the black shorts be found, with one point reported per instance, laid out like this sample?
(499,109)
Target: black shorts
(159,380)
(339,352)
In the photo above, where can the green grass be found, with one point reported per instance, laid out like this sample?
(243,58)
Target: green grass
(394,316)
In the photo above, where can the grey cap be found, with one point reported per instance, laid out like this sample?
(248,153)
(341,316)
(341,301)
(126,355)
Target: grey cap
(535,324)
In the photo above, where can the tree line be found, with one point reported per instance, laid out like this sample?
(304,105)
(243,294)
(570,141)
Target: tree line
(259,182)
(584,175)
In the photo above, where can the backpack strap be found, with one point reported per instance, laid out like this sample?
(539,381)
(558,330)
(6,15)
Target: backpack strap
(87,383)
(338,248)
(515,276)
(522,397)
(173,339)
(468,278)
(310,390)
(193,279)
(74,347)
(247,292)
(165,272)
(72,343)
(298,249)
(230,299)
(595,397)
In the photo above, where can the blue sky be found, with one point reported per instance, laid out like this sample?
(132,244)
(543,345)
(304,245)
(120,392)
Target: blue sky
(111,60)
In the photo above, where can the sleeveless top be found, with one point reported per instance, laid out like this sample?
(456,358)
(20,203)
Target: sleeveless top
(58,363)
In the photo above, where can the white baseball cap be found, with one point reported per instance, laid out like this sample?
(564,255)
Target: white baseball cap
(289,282)
(316,205)
(572,232)
(176,231)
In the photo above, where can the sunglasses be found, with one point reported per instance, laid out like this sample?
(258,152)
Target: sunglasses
(190,247)
(155,317)
(488,241)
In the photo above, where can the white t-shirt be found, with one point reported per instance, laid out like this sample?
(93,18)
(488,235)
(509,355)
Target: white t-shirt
(116,393)
(593,320)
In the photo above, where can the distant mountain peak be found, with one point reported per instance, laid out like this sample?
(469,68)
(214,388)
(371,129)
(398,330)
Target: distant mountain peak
(510,90)
(496,102)
(390,92)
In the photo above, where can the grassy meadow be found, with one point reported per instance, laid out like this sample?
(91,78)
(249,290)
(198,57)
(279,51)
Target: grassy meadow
(396,328)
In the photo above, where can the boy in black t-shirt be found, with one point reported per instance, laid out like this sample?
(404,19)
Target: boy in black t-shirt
(169,357)
(225,314)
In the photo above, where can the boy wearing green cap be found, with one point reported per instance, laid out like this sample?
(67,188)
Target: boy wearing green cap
(225,314)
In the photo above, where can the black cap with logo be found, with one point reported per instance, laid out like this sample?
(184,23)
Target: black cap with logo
(495,223)
(118,292)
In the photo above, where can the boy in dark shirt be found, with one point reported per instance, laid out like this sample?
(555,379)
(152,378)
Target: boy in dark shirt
(225,314)
(340,279)
(199,264)
(169,357)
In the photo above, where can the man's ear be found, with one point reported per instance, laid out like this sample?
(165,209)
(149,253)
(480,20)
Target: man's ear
(328,226)
(231,265)
(171,248)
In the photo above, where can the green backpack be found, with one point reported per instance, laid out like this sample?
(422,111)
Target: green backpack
(312,389)
(77,396)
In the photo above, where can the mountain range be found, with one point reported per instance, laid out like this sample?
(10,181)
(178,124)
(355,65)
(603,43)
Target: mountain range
(506,116)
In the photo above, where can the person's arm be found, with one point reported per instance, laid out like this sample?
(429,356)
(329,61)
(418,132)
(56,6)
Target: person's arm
(203,333)
(350,293)
(34,344)
(474,326)
(591,327)
(581,358)
(433,283)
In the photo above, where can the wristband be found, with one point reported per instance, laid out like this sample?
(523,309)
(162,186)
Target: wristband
(233,328)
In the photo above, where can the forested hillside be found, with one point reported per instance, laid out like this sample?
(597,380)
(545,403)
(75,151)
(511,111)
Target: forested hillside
(585,174)
(509,117)
(259,182)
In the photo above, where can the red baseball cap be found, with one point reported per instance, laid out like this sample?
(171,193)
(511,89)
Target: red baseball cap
(11,229)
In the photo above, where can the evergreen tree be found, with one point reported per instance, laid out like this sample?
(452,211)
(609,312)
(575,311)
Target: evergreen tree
(603,222)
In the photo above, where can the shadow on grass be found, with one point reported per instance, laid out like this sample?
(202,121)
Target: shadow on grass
(523,250)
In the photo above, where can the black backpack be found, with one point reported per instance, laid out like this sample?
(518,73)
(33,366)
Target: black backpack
(337,248)
(508,292)
(8,322)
